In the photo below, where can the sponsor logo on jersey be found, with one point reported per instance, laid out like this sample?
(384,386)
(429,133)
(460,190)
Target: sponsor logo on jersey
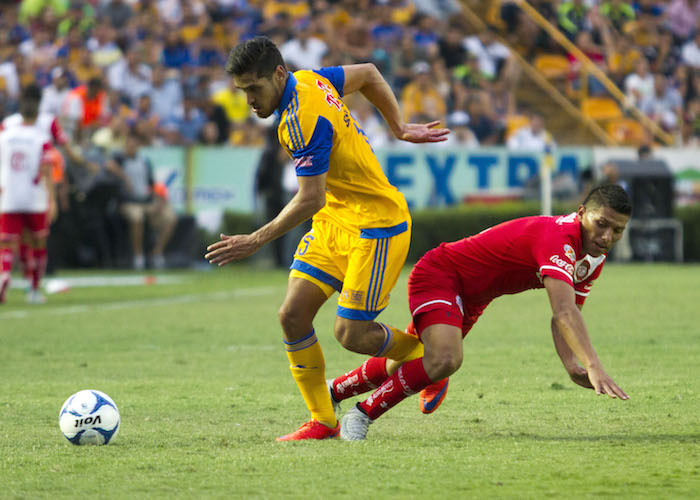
(569,252)
(304,162)
(569,268)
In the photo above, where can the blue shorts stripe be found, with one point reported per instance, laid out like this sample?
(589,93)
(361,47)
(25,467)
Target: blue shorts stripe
(347,313)
(375,233)
(317,273)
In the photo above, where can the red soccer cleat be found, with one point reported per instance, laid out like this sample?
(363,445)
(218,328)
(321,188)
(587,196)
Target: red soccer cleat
(432,396)
(312,429)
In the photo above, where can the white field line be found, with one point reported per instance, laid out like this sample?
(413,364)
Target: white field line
(141,303)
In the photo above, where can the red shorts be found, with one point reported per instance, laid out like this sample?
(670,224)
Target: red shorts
(12,224)
(434,298)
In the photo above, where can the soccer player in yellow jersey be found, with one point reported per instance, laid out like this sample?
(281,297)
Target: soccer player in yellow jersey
(361,225)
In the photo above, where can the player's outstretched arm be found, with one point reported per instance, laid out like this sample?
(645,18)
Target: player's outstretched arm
(569,323)
(576,372)
(310,198)
(367,79)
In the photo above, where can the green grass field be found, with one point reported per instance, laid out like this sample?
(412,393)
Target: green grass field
(200,377)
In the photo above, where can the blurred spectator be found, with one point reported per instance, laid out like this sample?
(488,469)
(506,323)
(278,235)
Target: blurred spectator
(640,84)
(79,19)
(460,134)
(623,59)
(451,46)
(421,96)
(440,9)
(682,16)
(233,101)
(216,118)
(55,94)
(103,46)
(140,201)
(118,12)
(484,127)
(532,137)
(665,104)
(690,52)
(130,76)
(85,107)
(175,54)
(573,18)
(618,13)
(385,33)
(166,93)
(189,121)
(491,53)
(304,51)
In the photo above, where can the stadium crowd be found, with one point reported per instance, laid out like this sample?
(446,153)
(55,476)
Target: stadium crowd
(157,65)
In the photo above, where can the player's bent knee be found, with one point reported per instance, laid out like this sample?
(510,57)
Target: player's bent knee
(351,336)
(441,365)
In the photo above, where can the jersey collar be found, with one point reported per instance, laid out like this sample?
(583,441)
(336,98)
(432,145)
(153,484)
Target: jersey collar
(287,94)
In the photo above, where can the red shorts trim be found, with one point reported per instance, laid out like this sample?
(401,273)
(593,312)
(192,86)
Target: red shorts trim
(12,224)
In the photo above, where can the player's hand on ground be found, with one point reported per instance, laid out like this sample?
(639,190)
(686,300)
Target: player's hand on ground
(580,376)
(230,248)
(423,132)
(603,384)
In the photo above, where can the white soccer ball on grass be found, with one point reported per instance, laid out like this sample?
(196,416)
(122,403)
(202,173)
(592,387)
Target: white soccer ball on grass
(89,417)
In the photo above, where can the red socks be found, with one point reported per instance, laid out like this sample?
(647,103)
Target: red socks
(409,379)
(39,258)
(369,375)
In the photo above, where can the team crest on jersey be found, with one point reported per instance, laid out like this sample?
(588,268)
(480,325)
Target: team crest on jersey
(569,252)
(582,269)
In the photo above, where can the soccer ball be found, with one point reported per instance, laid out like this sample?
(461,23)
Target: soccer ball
(89,417)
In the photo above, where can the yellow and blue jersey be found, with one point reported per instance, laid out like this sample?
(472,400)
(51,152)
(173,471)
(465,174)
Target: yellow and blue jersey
(320,134)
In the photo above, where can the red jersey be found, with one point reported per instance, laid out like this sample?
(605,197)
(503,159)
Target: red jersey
(515,256)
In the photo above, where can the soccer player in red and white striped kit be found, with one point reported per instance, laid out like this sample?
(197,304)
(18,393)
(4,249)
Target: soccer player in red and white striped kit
(26,189)
(451,285)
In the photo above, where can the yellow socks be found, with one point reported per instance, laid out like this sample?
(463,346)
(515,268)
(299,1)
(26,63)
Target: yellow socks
(308,369)
(398,345)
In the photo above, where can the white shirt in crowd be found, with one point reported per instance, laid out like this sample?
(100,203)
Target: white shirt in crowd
(304,54)
(525,139)
(644,86)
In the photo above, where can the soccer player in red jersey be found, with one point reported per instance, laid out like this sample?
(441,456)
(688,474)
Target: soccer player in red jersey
(451,285)
(26,189)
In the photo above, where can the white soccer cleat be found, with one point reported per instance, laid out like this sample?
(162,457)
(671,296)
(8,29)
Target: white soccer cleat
(354,425)
(336,404)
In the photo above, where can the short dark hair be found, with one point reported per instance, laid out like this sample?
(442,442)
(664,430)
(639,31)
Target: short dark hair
(29,103)
(609,195)
(259,55)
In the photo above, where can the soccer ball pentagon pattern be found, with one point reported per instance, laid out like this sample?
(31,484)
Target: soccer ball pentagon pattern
(89,417)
